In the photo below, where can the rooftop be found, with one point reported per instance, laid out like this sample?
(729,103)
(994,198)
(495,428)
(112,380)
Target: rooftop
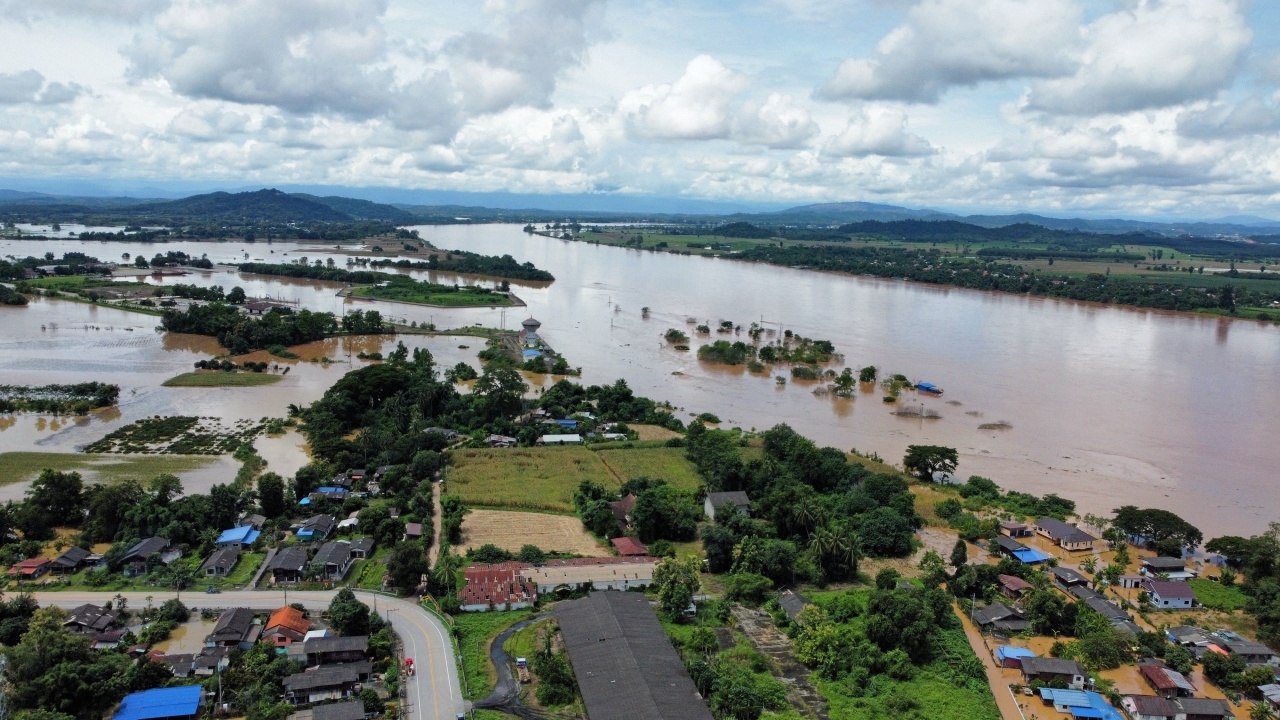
(626,667)
(160,703)
(292,558)
(1063,532)
(223,558)
(792,603)
(1014,583)
(244,535)
(628,546)
(1052,666)
(349,710)
(733,497)
(1152,705)
(1164,563)
(1163,678)
(1170,590)
(290,618)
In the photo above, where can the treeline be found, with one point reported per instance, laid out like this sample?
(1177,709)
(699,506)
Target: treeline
(9,296)
(71,263)
(159,235)
(1057,254)
(931,266)
(474,264)
(242,334)
(1258,559)
(58,399)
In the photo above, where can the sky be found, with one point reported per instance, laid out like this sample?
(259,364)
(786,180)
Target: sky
(1128,108)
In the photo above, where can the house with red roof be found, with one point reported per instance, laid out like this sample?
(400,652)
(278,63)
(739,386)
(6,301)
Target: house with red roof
(29,569)
(286,626)
(497,587)
(1014,587)
(629,547)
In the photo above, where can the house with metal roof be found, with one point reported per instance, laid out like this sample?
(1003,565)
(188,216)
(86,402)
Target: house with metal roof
(332,560)
(243,535)
(235,628)
(1271,694)
(1169,594)
(221,562)
(71,560)
(1013,587)
(1254,653)
(1166,682)
(1080,704)
(330,650)
(1047,670)
(1169,568)
(316,527)
(1064,535)
(173,703)
(1066,578)
(1205,709)
(1000,618)
(29,569)
(717,500)
(362,548)
(1149,707)
(1010,656)
(321,684)
(89,619)
(346,710)
(625,665)
(135,559)
(289,565)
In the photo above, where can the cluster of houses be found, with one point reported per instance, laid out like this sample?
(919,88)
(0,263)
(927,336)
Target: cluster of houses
(335,667)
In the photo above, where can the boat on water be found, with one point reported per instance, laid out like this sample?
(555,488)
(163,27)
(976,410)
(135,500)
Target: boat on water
(929,388)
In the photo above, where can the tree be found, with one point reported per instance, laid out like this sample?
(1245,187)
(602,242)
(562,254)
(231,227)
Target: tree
(348,615)
(271,495)
(1225,671)
(164,488)
(677,582)
(959,554)
(56,498)
(500,390)
(885,533)
(236,296)
(173,611)
(925,461)
(1262,711)
(372,703)
(406,565)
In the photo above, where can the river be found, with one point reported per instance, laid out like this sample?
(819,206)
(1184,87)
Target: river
(1108,406)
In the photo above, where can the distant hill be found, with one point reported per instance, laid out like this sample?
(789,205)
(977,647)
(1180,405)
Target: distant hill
(847,212)
(258,206)
(361,209)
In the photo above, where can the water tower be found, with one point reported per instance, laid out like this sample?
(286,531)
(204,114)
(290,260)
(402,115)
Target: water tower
(531,332)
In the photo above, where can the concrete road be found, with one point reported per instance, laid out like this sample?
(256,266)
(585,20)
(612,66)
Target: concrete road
(434,693)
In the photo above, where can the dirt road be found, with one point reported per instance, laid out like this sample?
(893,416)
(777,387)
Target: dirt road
(999,685)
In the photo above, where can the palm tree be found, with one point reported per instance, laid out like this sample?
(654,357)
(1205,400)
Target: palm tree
(1262,711)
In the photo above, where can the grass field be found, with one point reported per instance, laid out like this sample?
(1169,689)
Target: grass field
(475,632)
(21,466)
(669,464)
(421,296)
(544,478)
(222,379)
(368,573)
(1217,596)
(512,530)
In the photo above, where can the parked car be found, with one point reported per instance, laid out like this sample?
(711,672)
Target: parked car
(211,590)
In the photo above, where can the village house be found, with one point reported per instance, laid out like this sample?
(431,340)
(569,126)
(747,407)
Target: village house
(1168,568)
(1066,578)
(1007,546)
(1009,656)
(629,547)
(289,565)
(329,650)
(171,703)
(241,536)
(235,629)
(561,439)
(257,522)
(1205,709)
(1068,537)
(1149,707)
(1014,587)
(1169,594)
(1166,682)
(29,569)
(135,559)
(1253,653)
(717,500)
(316,527)
(346,710)
(1271,694)
(332,560)
(321,684)
(221,562)
(287,625)
(412,531)
(362,548)
(999,617)
(622,511)
(1046,670)
(1187,636)
(89,619)
(1010,528)
(70,561)
(501,441)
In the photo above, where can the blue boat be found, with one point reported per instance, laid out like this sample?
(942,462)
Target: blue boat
(929,388)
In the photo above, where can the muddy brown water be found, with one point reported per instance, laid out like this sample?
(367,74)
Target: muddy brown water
(1108,406)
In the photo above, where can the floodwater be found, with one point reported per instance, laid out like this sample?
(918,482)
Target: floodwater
(1108,406)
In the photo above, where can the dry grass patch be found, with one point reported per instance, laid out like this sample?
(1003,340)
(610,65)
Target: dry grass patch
(668,464)
(654,432)
(534,478)
(511,530)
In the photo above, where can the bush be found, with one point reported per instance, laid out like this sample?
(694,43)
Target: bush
(747,588)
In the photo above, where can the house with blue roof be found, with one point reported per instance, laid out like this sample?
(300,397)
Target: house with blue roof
(1080,704)
(1012,657)
(161,704)
(242,536)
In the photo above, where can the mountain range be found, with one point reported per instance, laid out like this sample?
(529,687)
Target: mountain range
(271,205)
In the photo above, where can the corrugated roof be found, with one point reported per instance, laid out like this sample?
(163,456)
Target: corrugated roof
(1171,590)
(625,666)
(350,710)
(629,546)
(160,703)
(1009,651)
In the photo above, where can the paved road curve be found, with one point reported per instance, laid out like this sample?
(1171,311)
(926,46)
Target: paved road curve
(433,694)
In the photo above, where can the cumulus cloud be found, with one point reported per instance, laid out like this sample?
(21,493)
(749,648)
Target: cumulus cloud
(948,43)
(697,106)
(121,10)
(211,122)
(29,86)
(1252,116)
(777,123)
(317,56)
(1155,53)
(877,131)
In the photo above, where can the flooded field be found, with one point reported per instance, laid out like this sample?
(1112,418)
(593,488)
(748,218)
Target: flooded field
(1106,405)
